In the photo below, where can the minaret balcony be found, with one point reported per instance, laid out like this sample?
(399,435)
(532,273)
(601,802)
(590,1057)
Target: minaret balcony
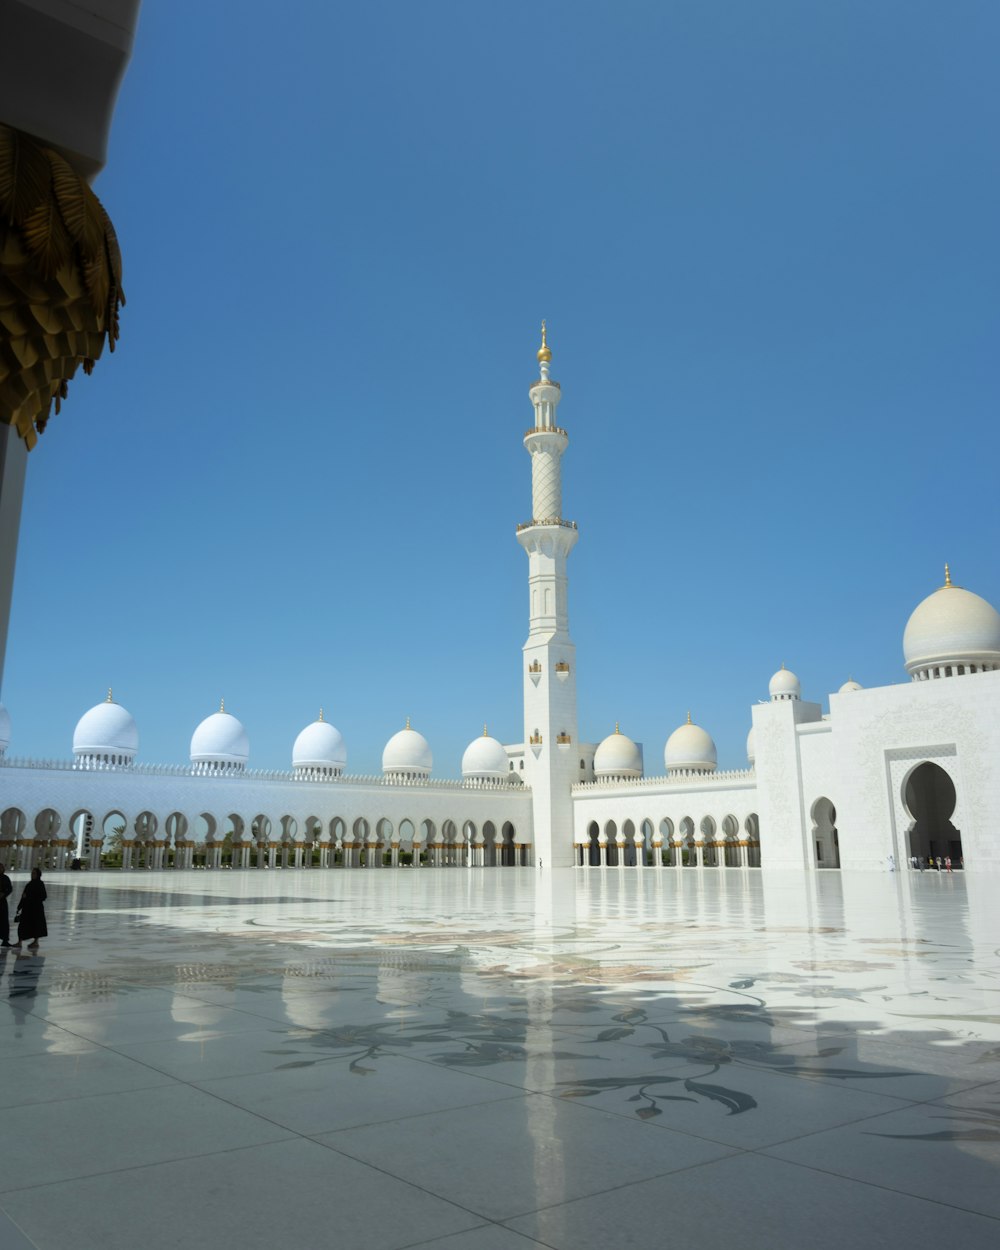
(546,429)
(562,670)
(535,672)
(549,520)
(563,742)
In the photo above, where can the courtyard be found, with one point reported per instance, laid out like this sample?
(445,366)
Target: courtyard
(484,1060)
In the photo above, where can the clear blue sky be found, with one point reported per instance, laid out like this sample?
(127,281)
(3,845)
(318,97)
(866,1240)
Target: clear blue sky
(765,239)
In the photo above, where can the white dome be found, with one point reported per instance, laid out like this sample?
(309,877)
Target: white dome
(617,756)
(4,729)
(784,685)
(107,730)
(690,749)
(220,740)
(952,626)
(485,759)
(751,749)
(407,753)
(319,746)
(849,685)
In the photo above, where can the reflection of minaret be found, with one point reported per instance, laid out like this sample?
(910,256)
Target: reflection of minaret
(550,734)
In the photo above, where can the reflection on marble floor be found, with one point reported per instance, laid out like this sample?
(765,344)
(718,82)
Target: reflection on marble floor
(459,1058)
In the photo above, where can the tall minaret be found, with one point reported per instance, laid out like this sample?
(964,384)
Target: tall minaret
(551,748)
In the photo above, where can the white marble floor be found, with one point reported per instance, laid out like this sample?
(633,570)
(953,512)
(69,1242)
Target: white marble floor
(495,1060)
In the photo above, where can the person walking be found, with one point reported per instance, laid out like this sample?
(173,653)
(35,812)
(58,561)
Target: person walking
(30,915)
(5,890)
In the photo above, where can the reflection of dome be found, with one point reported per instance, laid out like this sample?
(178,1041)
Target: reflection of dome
(220,744)
(849,685)
(4,729)
(106,734)
(784,685)
(319,751)
(617,756)
(407,754)
(751,750)
(690,750)
(951,631)
(485,759)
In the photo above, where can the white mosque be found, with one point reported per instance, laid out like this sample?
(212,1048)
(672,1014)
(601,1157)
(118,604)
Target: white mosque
(887,774)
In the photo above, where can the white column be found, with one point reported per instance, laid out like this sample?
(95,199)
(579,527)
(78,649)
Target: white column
(13,466)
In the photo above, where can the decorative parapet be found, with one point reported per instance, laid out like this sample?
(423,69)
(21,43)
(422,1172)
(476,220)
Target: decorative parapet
(549,520)
(546,429)
(709,781)
(534,667)
(563,740)
(535,740)
(562,667)
(259,774)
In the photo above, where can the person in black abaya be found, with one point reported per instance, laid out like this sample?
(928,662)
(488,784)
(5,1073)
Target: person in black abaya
(30,915)
(5,889)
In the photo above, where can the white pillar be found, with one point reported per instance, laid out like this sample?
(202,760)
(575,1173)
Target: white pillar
(13,466)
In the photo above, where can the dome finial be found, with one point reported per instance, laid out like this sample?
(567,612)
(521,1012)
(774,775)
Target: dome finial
(321,715)
(110,699)
(689,710)
(544,352)
(947,576)
(617,730)
(485,734)
(407,722)
(222,705)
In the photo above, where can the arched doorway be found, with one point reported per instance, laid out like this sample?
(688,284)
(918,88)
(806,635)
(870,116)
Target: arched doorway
(594,845)
(826,842)
(509,848)
(929,797)
(611,850)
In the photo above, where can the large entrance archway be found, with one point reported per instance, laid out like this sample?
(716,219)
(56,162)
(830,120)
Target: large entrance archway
(929,798)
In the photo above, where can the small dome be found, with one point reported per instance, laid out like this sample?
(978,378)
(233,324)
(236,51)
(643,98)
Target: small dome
(784,685)
(407,754)
(849,685)
(319,748)
(4,729)
(485,759)
(220,741)
(751,750)
(107,733)
(690,749)
(951,627)
(617,756)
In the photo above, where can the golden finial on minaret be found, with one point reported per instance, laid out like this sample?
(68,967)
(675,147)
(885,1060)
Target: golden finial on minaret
(544,353)
(222,705)
(321,714)
(110,699)
(947,577)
